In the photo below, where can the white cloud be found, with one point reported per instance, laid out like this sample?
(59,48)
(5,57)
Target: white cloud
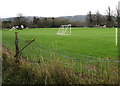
(10,8)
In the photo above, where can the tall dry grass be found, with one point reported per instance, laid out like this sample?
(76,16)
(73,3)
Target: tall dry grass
(55,72)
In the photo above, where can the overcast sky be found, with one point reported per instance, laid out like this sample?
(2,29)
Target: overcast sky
(54,8)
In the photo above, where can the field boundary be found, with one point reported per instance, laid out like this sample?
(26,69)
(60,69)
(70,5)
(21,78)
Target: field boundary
(69,57)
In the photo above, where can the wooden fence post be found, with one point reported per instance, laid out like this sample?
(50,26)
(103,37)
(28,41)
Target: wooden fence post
(16,45)
(18,51)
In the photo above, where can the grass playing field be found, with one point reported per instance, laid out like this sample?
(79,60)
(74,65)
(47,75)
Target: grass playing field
(93,49)
(94,42)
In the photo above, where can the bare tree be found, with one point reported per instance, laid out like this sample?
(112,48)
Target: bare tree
(20,20)
(98,18)
(118,17)
(53,21)
(89,19)
(109,17)
(36,22)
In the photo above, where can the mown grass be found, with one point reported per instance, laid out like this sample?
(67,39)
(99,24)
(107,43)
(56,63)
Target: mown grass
(96,42)
(51,51)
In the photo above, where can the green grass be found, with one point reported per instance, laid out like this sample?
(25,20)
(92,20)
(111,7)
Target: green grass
(95,42)
(84,42)
(54,72)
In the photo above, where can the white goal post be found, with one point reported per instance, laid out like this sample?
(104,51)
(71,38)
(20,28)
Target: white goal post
(64,30)
(116,32)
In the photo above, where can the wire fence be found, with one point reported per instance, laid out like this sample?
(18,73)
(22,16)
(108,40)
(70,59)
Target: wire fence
(36,51)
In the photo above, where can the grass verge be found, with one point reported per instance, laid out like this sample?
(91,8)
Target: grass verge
(54,72)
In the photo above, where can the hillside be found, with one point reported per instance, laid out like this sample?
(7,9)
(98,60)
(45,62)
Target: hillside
(71,18)
(75,18)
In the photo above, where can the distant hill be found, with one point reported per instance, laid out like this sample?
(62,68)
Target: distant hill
(75,18)
(7,19)
(28,18)
(71,18)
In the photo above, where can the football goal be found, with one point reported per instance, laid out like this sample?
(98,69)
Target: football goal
(64,30)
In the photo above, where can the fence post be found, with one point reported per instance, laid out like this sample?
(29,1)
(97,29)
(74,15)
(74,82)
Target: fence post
(16,45)
(19,51)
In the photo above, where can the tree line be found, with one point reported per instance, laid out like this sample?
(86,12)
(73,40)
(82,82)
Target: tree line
(98,19)
(92,20)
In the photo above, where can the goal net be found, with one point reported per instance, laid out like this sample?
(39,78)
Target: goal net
(64,30)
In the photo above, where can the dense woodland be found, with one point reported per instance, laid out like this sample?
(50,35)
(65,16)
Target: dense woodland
(92,20)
